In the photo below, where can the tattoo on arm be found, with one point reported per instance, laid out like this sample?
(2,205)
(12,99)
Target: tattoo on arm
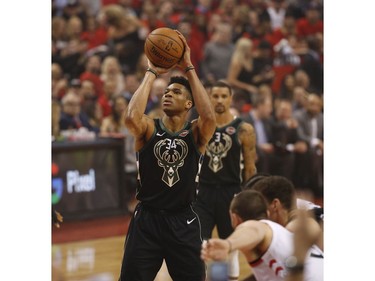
(248,141)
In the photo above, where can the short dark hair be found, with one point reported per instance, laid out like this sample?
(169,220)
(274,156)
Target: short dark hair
(222,84)
(279,187)
(254,179)
(183,81)
(249,205)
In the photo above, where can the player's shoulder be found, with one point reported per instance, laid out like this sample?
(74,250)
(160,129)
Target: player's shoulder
(193,123)
(241,121)
(245,127)
(253,224)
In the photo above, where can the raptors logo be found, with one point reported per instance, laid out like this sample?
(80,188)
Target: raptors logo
(217,150)
(170,155)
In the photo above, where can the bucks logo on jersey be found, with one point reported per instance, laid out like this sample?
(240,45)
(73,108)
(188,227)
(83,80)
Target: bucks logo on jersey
(170,155)
(217,149)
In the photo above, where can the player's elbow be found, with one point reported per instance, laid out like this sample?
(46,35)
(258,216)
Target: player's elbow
(128,121)
(210,123)
(131,118)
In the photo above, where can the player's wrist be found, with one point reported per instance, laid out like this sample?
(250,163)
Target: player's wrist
(230,245)
(189,67)
(153,71)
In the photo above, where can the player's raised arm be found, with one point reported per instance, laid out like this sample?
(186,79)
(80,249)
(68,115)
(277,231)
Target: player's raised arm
(136,121)
(206,121)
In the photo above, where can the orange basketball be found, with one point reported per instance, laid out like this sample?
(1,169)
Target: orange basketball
(163,47)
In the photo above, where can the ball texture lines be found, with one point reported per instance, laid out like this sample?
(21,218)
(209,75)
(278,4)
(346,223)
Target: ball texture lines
(163,47)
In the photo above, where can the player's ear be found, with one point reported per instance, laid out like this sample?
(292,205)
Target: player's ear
(275,204)
(188,104)
(235,219)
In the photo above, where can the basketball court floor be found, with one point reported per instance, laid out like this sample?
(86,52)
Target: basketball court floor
(92,251)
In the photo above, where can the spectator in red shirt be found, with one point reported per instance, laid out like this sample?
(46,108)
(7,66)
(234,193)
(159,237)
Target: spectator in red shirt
(165,13)
(312,24)
(95,34)
(149,17)
(289,28)
(106,100)
(92,73)
(195,39)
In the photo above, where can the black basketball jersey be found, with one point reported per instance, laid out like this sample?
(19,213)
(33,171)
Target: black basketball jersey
(168,166)
(222,162)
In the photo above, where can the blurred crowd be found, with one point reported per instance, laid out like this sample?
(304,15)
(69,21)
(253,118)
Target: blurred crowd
(269,51)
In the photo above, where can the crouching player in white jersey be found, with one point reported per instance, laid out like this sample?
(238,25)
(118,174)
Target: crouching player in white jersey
(265,244)
(283,204)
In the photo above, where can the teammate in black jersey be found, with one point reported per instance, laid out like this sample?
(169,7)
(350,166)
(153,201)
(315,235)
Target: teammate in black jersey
(169,151)
(229,162)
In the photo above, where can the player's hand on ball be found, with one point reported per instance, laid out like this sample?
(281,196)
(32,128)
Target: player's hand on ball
(159,70)
(185,60)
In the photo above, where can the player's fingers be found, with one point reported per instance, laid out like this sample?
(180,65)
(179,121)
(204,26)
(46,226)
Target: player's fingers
(204,244)
(181,36)
(204,254)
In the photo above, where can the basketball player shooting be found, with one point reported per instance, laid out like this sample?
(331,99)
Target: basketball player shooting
(169,151)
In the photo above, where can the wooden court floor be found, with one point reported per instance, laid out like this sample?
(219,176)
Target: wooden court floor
(100,260)
(92,251)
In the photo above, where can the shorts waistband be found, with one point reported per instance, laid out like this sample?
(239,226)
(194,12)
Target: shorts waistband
(164,211)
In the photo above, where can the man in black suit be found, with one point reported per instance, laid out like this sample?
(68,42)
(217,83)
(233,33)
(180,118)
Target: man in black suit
(259,118)
(288,145)
(310,130)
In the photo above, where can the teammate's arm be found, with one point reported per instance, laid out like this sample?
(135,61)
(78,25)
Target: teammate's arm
(247,138)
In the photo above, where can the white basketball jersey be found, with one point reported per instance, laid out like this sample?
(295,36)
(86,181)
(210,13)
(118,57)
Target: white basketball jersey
(270,267)
(314,265)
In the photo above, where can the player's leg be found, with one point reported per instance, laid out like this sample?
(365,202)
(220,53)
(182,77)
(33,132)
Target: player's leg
(143,255)
(224,226)
(204,206)
(184,246)
(222,217)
